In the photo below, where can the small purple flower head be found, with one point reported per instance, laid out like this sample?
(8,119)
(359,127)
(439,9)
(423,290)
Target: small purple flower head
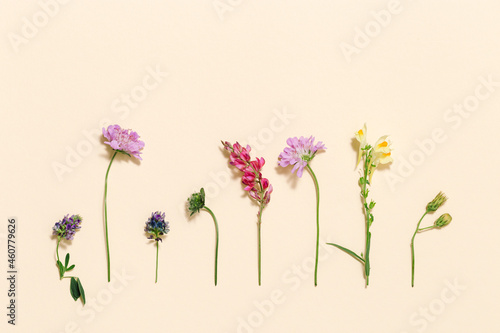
(67,227)
(123,140)
(300,152)
(156,226)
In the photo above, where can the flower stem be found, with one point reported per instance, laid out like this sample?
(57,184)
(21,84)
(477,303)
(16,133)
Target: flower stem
(106,213)
(57,253)
(317,224)
(216,241)
(261,208)
(367,170)
(157,250)
(426,228)
(413,250)
(57,247)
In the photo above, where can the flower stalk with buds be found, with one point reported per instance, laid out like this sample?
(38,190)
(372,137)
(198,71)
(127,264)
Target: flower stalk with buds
(372,157)
(442,221)
(257,187)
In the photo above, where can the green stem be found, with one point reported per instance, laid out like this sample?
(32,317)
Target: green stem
(106,213)
(216,241)
(57,253)
(426,228)
(317,224)
(367,165)
(261,208)
(157,250)
(57,247)
(413,250)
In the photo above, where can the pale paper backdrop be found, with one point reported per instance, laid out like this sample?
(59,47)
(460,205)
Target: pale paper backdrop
(186,74)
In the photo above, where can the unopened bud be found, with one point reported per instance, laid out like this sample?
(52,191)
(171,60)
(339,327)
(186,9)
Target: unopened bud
(443,220)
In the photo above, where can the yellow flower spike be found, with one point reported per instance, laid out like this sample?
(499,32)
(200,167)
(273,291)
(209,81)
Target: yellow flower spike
(361,137)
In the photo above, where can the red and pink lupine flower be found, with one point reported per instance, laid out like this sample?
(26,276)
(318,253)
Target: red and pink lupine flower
(257,187)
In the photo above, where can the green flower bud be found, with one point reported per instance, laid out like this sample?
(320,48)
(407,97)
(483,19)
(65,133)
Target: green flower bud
(443,220)
(438,201)
(196,201)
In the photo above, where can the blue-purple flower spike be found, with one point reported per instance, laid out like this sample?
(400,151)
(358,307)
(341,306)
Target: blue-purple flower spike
(156,226)
(67,227)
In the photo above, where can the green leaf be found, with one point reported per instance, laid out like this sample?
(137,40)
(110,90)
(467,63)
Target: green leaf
(66,261)
(372,204)
(361,180)
(70,268)
(61,269)
(367,264)
(73,289)
(82,292)
(348,252)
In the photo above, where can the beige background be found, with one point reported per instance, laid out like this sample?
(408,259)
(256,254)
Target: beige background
(234,68)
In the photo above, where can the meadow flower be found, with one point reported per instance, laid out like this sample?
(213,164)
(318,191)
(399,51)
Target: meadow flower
(65,229)
(372,157)
(196,202)
(156,227)
(441,222)
(123,141)
(300,153)
(258,188)
(361,137)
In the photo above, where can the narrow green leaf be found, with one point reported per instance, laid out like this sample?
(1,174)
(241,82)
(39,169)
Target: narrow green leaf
(66,261)
(61,269)
(367,264)
(70,268)
(82,292)
(73,289)
(348,252)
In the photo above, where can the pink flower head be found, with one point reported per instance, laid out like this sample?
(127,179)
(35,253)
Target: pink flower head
(257,187)
(300,152)
(123,140)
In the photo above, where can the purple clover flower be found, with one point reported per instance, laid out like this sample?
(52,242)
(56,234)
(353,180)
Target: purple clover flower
(156,226)
(67,227)
(123,140)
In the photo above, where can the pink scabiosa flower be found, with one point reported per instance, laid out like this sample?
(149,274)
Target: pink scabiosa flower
(300,152)
(123,141)
(257,187)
